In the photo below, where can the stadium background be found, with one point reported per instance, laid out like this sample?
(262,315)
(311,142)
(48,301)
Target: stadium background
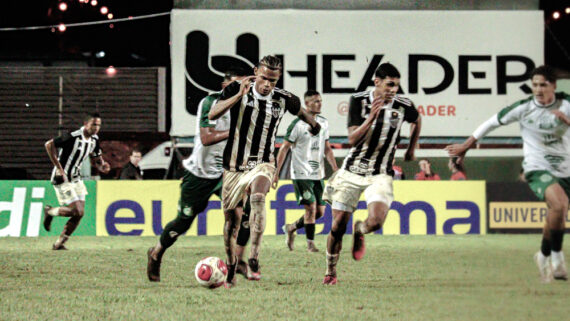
(49,77)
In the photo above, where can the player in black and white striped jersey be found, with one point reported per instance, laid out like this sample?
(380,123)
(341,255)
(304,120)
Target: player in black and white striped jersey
(374,122)
(74,148)
(256,108)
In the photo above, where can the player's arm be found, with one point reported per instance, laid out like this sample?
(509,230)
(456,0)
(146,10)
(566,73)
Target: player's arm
(230,97)
(415,128)
(101,165)
(563,117)
(52,153)
(307,118)
(357,132)
(208,133)
(280,160)
(210,136)
(459,150)
(329,155)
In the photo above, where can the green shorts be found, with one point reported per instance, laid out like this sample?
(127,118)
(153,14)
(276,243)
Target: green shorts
(538,181)
(309,191)
(195,193)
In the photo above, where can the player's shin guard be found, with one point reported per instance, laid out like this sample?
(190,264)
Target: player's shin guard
(545,247)
(174,229)
(256,222)
(556,237)
(310,230)
(332,259)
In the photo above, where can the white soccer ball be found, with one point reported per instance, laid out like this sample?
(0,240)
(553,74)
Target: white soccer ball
(211,272)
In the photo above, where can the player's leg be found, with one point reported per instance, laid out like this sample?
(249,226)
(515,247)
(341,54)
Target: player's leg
(377,212)
(317,211)
(195,193)
(77,211)
(66,195)
(242,239)
(259,188)
(557,202)
(334,243)
(232,219)
(379,196)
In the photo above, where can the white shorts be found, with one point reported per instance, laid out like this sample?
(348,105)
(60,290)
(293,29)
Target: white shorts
(344,188)
(70,192)
(235,184)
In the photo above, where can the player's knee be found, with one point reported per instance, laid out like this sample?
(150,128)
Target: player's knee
(257,198)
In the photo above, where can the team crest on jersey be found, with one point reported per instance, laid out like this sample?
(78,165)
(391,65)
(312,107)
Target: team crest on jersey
(275,110)
(394,119)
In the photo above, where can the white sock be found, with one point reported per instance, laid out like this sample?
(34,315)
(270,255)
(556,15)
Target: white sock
(54,211)
(557,258)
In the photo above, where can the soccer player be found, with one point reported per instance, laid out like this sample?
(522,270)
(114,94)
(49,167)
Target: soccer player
(374,121)
(202,176)
(256,107)
(544,119)
(307,169)
(74,148)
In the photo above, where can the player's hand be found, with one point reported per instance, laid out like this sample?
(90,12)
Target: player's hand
(275,180)
(456,150)
(245,85)
(560,115)
(60,173)
(104,168)
(377,104)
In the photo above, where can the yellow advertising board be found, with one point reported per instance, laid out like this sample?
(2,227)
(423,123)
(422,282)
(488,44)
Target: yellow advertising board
(518,215)
(145,207)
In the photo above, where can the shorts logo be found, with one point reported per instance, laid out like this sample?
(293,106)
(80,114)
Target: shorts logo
(187,211)
(307,195)
(245,224)
(173,234)
(545,178)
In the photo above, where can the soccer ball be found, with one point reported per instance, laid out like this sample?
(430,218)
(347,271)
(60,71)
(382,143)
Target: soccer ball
(211,272)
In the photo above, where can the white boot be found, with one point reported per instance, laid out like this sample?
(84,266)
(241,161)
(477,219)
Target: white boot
(559,266)
(544,267)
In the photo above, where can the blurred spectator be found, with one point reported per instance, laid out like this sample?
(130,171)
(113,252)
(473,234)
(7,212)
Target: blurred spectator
(132,169)
(398,172)
(457,169)
(426,174)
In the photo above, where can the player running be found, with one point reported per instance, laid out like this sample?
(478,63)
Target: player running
(307,169)
(374,121)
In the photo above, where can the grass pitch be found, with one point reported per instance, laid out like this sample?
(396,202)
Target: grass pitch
(491,277)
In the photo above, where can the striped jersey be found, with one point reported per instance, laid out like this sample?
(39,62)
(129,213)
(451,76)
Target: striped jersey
(308,151)
(546,139)
(254,120)
(374,153)
(74,149)
(206,161)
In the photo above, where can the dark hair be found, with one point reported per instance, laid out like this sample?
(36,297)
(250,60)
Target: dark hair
(457,164)
(237,72)
(311,93)
(546,71)
(424,159)
(88,117)
(271,62)
(135,150)
(386,70)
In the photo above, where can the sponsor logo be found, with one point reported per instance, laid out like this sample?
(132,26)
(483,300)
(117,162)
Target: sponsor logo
(518,215)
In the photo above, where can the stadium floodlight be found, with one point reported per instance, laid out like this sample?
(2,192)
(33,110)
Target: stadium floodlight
(556,15)
(110,16)
(61,27)
(100,54)
(62,6)
(567,10)
(94,2)
(104,10)
(111,71)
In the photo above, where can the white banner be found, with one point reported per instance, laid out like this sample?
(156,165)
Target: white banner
(459,67)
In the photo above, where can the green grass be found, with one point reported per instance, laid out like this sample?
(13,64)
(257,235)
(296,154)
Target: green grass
(490,277)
